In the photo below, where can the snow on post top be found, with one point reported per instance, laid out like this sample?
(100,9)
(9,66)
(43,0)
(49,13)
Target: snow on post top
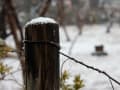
(40,20)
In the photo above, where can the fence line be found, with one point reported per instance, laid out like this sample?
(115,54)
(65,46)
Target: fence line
(38,59)
(77,61)
(91,67)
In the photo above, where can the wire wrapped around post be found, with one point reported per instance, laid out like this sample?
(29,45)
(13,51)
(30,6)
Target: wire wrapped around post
(42,56)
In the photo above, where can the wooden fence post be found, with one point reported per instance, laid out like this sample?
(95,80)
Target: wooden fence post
(42,55)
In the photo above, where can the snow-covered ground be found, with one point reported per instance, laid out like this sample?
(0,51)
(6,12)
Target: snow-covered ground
(84,47)
(82,50)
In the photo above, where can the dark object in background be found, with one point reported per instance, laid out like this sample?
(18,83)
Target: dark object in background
(99,51)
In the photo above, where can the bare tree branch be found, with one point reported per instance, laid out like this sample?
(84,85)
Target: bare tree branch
(10,7)
(45,7)
(3,33)
(14,81)
(111,84)
(61,17)
(14,25)
(13,22)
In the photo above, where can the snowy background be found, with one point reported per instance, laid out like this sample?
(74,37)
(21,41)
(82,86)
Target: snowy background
(84,47)
(92,35)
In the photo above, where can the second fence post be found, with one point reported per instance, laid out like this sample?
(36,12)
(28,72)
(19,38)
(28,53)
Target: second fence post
(42,54)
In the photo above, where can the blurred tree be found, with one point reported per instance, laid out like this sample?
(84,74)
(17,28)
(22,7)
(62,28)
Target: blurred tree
(45,7)
(15,28)
(3,33)
(13,21)
(94,4)
(61,17)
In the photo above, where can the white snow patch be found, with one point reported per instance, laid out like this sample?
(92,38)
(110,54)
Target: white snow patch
(41,20)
